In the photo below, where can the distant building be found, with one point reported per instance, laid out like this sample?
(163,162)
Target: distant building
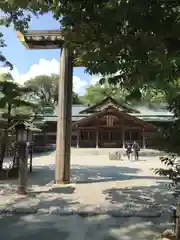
(108,124)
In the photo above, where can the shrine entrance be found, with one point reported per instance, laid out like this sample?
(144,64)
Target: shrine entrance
(87,138)
(109,128)
(110,138)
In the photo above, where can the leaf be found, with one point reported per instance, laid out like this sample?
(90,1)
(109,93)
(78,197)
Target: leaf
(5,62)
(19,102)
(3,102)
(134,95)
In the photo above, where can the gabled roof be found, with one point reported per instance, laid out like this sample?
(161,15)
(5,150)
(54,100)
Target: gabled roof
(28,126)
(107,110)
(146,113)
(107,101)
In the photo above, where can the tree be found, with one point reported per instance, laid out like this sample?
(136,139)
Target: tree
(153,95)
(76,99)
(139,38)
(13,14)
(96,93)
(11,100)
(169,142)
(45,92)
(135,37)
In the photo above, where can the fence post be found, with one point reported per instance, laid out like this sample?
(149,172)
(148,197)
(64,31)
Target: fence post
(177,227)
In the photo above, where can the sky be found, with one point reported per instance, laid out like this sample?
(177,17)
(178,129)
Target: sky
(31,63)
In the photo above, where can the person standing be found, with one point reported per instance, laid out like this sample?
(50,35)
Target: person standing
(136,150)
(128,147)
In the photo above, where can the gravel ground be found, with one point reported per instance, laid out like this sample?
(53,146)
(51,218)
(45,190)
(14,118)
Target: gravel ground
(98,184)
(102,227)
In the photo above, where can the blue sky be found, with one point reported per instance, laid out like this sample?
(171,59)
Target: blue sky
(32,62)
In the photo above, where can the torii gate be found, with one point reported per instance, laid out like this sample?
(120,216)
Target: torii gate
(52,39)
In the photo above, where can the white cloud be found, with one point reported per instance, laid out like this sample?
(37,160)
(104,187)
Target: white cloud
(79,85)
(45,67)
(48,68)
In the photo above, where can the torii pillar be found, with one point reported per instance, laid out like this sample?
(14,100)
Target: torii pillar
(52,39)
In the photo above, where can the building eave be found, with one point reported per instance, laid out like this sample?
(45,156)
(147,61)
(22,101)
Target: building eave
(41,39)
(107,110)
(44,39)
(145,118)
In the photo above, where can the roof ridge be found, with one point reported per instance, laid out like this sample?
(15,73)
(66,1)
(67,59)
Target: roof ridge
(126,106)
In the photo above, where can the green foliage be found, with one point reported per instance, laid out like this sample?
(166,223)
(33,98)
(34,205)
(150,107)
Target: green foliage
(172,171)
(12,95)
(96,93)
(12,14)
(169,142)
(11,99)
(147,95)
(137,37)
(44,91)
(75,98)
(140,38)
(13,103)
(3,60)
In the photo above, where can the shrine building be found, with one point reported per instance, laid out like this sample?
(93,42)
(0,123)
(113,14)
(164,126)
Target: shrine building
(108,124)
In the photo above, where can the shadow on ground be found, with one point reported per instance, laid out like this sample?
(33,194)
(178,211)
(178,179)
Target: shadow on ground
(102,227)
(45,226)
(43,153)
(43,175)
(157,195)
(75,228)
(86,174)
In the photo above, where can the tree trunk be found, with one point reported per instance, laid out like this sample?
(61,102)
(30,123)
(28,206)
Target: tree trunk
(3,148)
(5,138)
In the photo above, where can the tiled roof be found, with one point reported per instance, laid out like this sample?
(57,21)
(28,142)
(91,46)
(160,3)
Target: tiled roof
(76,109)
(146,114)
(155,112)
(155,109)
(109,100)
(157,118)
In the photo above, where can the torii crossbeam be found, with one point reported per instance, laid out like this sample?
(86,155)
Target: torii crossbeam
(52,39)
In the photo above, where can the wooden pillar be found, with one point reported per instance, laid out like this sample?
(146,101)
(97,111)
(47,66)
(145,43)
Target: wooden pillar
(64,121)
(78,136)
(23,156)
(143,139)
(123,138)
(97,138)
